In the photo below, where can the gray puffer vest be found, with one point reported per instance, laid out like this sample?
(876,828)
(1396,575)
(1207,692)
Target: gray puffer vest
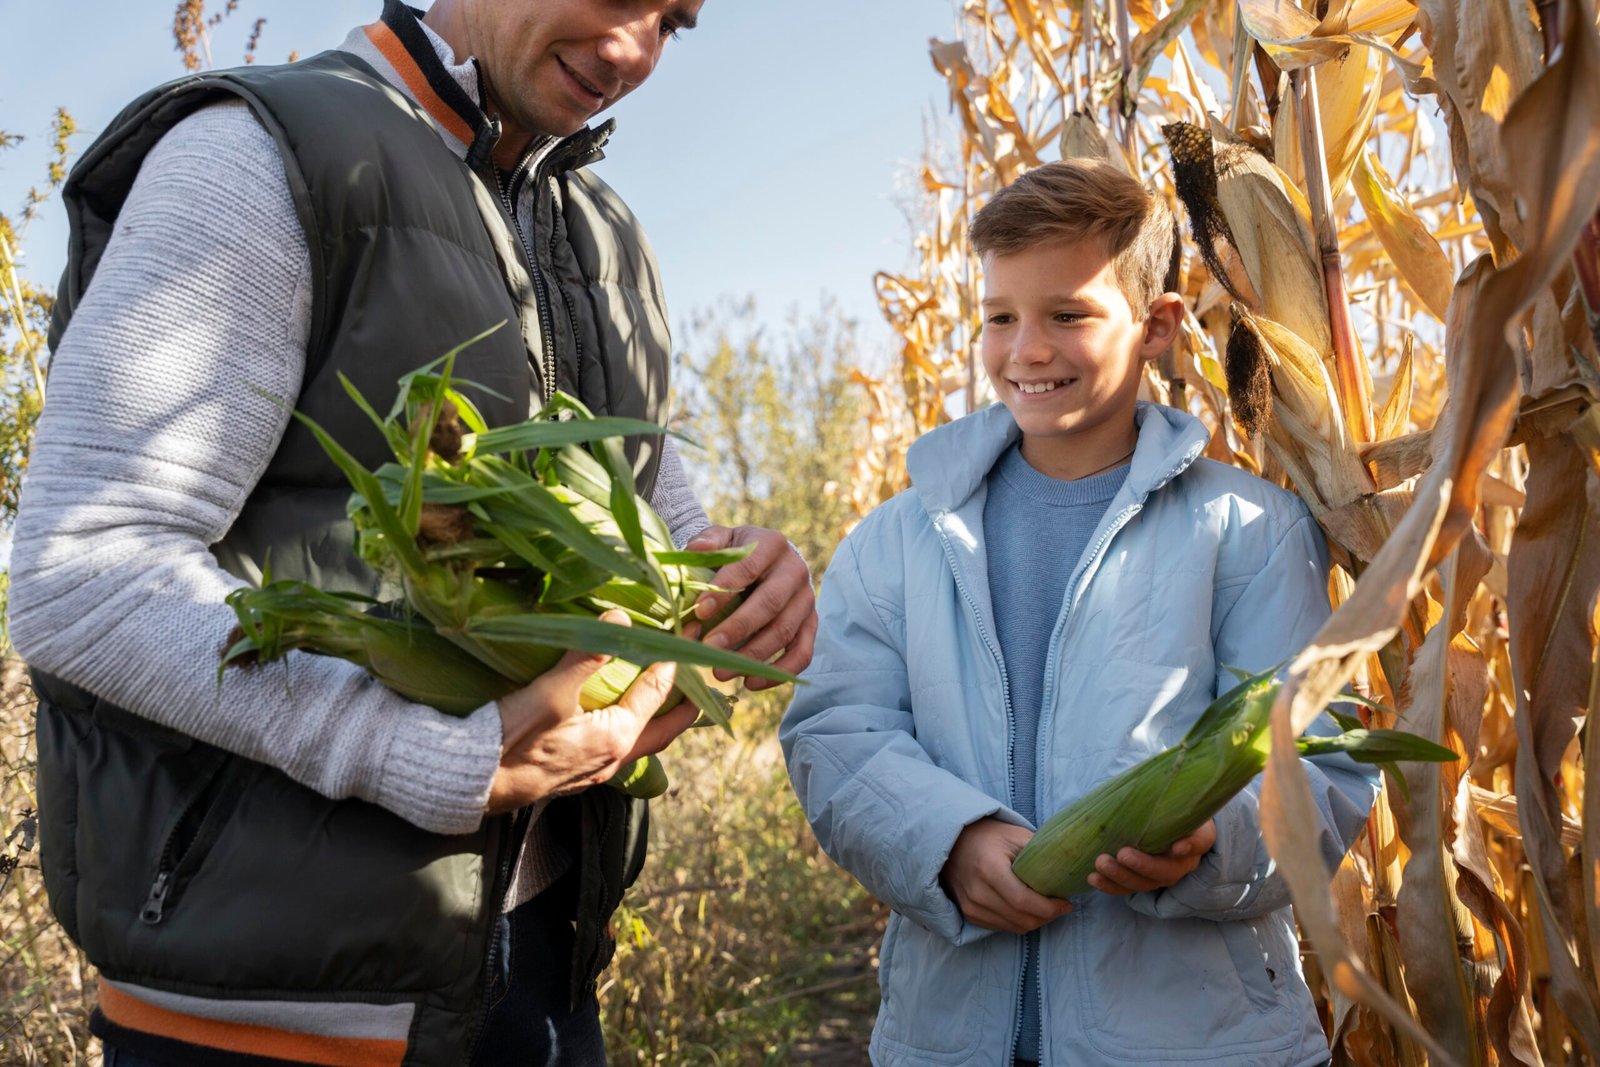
(181,867)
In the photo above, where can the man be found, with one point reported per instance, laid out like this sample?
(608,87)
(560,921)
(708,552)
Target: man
(296,864)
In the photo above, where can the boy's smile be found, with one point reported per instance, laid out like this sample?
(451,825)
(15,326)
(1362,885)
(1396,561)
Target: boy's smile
(1064,352)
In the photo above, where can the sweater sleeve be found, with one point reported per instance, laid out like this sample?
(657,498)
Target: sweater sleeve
(674,498)
(1237,879)
(155,433)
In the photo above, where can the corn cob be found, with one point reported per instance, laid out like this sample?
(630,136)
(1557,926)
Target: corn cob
(508,543)
(1156,802)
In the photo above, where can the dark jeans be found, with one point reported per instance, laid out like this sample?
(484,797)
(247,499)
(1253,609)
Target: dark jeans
(531,1022)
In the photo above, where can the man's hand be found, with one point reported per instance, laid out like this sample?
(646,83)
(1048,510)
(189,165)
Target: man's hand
(978,878)
(550,745)
(1131,871)
(779,612)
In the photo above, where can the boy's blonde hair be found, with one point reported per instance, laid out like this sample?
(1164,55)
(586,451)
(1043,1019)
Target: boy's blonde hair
(1082,200)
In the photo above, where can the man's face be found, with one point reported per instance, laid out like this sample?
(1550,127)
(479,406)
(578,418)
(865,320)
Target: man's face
(552,65)
(1063,349)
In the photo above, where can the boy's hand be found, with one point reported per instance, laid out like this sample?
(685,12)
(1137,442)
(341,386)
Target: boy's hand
(1131,871)
(978,878)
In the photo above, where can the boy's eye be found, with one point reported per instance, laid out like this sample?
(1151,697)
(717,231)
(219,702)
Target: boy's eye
(669,29)
(999,318)
(1069,316)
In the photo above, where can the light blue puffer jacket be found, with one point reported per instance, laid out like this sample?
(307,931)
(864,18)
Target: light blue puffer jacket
(902,738)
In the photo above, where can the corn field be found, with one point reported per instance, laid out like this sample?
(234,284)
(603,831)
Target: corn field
(1391,262)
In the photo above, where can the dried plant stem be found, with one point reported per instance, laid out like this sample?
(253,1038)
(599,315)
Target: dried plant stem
(13,295)
(1350,376)
(1586,259)
(1125,92)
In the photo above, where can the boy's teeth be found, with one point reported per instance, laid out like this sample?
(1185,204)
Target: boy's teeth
(1037,387)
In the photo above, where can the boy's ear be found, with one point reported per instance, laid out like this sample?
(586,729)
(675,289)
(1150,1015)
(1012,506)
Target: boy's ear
(1161,325)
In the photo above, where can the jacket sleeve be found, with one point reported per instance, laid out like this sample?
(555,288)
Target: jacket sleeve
(879,805)
(1275,616)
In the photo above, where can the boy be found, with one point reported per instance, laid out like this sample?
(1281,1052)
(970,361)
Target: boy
(1057,598)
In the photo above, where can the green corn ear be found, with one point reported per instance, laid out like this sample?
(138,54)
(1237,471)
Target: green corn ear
(1168,796)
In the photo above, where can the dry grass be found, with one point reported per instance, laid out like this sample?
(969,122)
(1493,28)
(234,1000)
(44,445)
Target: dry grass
(741,943)
(45,991)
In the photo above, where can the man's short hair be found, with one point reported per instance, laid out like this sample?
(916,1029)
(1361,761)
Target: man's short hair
(1085,200)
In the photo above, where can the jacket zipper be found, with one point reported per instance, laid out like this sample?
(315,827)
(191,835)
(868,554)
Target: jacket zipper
(212,799)
(1123,518)
(1011,748)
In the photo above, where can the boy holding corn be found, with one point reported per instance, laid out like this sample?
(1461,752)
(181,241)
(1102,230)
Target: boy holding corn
(1059,596)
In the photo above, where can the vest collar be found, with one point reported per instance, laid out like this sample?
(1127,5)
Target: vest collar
(400,37)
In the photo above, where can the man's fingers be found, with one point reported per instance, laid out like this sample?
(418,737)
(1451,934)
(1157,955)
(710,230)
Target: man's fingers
(563,682)
(711,539)
(780,633)
(662,730)
(648,691)
(796,657)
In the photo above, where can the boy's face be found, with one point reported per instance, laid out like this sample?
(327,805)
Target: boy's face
(1064,352)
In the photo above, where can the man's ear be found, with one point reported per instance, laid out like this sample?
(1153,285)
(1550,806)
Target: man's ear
(1161,325)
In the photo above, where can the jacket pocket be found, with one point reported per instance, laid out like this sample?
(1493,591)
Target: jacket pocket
(934,993)
(190,831)
(1125,962)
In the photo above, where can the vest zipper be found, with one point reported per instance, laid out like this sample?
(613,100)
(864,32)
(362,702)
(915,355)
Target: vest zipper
(185,834)
(566,297)
(508,194)
(511,849)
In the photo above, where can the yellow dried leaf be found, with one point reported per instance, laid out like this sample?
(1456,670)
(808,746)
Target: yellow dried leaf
(1415,253)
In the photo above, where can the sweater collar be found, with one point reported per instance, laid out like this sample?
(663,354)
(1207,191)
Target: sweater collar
(947,465)
(452,93)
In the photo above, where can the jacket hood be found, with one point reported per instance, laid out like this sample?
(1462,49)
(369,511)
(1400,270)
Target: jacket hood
(947,465)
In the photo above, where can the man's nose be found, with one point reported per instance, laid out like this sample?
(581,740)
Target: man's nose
(632,50)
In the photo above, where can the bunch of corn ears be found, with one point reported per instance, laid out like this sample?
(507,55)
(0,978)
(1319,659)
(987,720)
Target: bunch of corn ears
(1168,796)
(508,544)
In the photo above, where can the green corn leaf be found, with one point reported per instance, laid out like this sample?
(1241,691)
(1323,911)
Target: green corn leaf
(636,644)
(1378,746)
(712,704)
(531,436)
(712,560)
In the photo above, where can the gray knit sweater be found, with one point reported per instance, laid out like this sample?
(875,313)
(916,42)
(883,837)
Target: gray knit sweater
(157,429)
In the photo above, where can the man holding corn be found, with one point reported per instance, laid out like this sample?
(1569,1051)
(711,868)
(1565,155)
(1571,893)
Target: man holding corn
(297,865)
(1061,594)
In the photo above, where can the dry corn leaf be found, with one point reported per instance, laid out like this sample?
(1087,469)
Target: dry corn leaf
(1391,421)
(1430,922)
(1413,249)
(1553,584)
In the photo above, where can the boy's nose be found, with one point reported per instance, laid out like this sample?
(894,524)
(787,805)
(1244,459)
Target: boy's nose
(1032,348)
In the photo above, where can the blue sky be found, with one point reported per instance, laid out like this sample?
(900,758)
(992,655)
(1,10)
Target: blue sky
(764,156)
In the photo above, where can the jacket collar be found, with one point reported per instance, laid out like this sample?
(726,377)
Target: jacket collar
(949,464)
(400,37)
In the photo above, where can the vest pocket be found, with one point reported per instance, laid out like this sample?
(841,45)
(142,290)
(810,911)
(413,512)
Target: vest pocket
(190,832)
